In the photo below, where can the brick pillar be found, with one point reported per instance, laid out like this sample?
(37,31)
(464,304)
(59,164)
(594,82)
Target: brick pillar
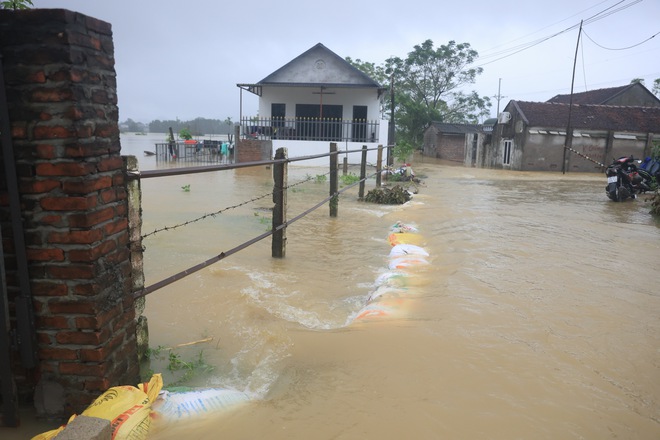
(62,101)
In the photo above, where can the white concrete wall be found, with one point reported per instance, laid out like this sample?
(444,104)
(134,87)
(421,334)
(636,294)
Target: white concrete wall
(347,97)
(310,148)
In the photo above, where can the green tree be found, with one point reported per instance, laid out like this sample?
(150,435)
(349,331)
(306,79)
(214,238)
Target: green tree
(428,87)
(656,87)
(16,4)
(185,134)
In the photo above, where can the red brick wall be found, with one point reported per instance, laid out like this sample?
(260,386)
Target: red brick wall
(451,147)
(252,150)
(62,102)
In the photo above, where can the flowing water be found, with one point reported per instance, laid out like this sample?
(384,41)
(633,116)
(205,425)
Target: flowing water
(537,317)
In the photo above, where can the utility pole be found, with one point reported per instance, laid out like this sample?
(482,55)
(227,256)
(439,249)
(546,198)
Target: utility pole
(568,143)
(391,134)
(499,96)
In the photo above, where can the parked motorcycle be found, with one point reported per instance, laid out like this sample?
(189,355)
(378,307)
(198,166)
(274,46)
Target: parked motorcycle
(652,166)
(626,180)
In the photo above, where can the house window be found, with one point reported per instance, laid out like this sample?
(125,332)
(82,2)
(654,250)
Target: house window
(359,123)
(278,112)
(508,145)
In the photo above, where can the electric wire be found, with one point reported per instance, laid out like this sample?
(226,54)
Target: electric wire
(506,53)
(620,48)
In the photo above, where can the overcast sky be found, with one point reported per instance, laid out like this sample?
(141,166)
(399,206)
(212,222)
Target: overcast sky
(183,59)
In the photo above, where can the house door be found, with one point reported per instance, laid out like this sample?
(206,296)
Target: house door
(277,114)
(359,123)
(311,126)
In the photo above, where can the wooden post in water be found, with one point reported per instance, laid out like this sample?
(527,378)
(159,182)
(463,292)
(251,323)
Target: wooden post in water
(379,167)
(280,178)
(334,201)
(363,172)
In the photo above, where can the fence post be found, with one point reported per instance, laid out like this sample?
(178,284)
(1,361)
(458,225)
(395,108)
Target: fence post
(280,177)
(379,166)
(334,202)
(345,170)
(363,172)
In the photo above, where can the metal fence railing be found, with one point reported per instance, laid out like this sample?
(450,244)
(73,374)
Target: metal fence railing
(311,129)
(196,152)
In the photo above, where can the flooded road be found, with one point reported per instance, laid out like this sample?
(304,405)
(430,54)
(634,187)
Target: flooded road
(537,317)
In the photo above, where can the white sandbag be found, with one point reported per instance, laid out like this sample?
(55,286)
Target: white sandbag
(407,261)
(386,291)
(407,249)
(392,278)
(197,403)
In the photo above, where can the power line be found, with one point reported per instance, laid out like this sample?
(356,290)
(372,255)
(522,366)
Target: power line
(522,47)
(621,48)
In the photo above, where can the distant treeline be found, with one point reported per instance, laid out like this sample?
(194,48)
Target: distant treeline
(197,127)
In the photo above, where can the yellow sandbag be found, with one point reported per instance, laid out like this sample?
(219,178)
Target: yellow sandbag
(126,407)
(405,238)
(51,434)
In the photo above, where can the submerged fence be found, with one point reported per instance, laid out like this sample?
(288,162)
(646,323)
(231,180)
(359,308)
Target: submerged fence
(196,152)
(279,195)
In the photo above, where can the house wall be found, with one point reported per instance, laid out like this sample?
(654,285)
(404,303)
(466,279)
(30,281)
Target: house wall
(447,146)
(347,97)
(310,148)
(544,151)
(452,146)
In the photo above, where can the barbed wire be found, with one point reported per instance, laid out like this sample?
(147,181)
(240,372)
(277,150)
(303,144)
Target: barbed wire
(215,213)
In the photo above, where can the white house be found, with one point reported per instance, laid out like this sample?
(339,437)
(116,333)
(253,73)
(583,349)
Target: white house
(315,99)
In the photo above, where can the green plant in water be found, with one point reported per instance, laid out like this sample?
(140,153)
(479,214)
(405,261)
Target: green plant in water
(186,188)
(348,179)
(263,219)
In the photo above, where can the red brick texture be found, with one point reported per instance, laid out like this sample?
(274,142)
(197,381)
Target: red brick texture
(62,102)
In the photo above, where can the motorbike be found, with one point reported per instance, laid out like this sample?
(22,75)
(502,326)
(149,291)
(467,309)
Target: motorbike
(404,173)
(625,180)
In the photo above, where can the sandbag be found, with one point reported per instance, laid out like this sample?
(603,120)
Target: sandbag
(396,238)
(400,227)
(393,278)
(407,249)
(385,291)
(407,262)
(190,403)
(126,407)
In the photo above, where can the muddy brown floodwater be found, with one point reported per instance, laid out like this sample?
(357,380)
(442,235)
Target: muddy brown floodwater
(537,317)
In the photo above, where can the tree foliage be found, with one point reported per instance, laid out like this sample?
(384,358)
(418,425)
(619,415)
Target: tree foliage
(185,134)
(197,126)
(16,4)
(428,86)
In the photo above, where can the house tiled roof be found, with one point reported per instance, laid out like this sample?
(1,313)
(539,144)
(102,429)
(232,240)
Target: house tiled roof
(589,117)
(599,96)
(319,66)
(633,94)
